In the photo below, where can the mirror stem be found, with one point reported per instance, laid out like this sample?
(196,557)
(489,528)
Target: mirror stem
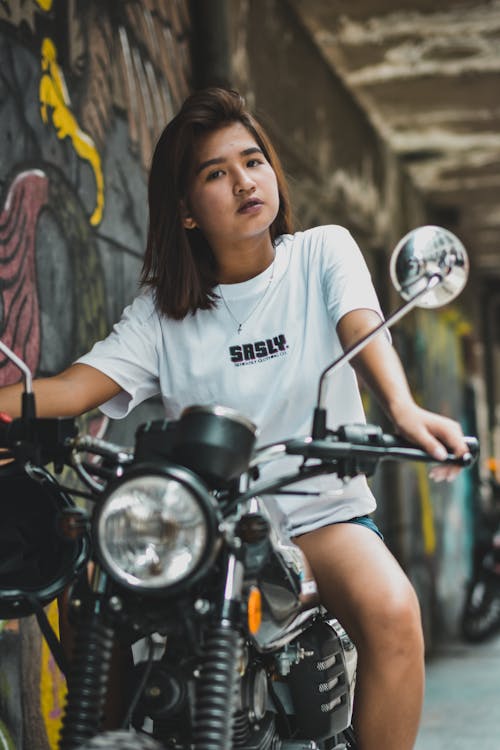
(319,420)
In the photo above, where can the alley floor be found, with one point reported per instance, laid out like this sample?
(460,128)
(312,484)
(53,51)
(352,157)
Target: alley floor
(462,700)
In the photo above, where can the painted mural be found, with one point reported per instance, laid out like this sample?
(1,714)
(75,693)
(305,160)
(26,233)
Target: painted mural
(430,526)
(439,557)
(85,88)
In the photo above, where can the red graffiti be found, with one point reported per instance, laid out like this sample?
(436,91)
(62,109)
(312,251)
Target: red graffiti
(20,311)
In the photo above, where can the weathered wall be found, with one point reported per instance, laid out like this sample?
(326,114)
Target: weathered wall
(430,526)
(85,88)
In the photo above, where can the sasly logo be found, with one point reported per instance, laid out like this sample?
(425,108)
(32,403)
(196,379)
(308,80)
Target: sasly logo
(258,351)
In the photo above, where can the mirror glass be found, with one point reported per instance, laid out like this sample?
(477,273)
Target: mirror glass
(425,255)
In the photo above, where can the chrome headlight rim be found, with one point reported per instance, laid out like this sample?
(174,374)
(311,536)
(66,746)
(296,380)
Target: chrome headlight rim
(211,514)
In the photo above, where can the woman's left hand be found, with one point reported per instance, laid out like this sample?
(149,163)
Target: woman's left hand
(434,433)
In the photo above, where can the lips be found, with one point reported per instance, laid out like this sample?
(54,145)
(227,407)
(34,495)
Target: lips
(250,205)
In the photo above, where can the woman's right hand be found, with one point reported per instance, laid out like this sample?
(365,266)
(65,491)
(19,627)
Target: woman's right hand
(72,392)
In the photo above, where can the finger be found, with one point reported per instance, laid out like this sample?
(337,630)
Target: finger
(441,453)
(444,473)
(450,434)
(431,445)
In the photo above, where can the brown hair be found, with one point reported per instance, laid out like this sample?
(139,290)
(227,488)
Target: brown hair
(179,265)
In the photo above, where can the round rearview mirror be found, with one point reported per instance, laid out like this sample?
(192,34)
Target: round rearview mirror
(432,257)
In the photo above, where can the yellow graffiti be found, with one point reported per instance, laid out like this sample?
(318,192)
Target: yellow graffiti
(55,104)
(52,685)
(428,527)
(45,4)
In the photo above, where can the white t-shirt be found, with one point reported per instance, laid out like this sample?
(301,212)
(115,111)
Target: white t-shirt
(269,371)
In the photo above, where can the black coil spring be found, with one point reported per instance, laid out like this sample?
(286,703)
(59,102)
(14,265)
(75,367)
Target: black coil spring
(217,690)
(241,729)
(87,683)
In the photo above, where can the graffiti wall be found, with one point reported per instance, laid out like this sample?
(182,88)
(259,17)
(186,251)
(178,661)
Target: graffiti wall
(429,525)
(440,379)
(85,88)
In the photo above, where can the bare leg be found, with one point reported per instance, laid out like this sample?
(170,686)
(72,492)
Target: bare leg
(361,584)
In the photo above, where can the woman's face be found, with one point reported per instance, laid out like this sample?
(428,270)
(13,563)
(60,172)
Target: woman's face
(233,192)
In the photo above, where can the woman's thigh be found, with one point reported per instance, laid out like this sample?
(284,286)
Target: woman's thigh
(359,580)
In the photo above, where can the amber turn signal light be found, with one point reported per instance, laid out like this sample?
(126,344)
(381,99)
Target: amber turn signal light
(254,610)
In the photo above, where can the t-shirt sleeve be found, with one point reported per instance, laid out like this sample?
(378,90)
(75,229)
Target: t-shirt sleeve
(346,280)
(129,356)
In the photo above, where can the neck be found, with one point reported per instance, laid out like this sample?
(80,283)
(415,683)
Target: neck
(239,264)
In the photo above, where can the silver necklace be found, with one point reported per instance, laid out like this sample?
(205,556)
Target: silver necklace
(241,323)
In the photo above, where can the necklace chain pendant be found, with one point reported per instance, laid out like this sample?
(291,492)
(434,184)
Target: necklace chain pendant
(240,324)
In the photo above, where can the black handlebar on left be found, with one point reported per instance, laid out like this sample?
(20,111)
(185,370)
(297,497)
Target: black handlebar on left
(40,440)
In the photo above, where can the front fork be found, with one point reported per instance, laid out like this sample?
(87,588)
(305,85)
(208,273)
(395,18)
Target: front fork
(217,687)
(89,670)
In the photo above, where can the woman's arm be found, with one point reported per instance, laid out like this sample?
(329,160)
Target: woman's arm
(381,369)
(69,394)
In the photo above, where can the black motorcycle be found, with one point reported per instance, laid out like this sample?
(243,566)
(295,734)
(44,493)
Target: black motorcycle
(194,569)
(480,617)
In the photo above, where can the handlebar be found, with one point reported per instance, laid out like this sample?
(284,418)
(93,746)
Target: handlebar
(350,450)
(43,440)
(360,441)
(387,447)
(104,448)
(399,448)
(39,440)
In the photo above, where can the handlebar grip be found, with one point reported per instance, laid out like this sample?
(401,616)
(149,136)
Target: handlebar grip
(394,443)
(470,458)
(367,443)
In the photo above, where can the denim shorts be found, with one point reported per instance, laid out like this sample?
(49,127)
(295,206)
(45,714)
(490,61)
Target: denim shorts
(365,521)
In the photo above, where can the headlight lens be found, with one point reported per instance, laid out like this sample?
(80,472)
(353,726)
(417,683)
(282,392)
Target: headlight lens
(152,532)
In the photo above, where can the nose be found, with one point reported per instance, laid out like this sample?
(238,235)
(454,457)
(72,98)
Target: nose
(243,182)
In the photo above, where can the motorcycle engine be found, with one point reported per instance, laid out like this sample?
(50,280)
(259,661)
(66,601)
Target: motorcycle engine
(322,683)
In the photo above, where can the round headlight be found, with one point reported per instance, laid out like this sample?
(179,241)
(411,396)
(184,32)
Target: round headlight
(154,531)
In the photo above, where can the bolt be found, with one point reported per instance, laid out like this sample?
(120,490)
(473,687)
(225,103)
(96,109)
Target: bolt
(115,604)
(202,606)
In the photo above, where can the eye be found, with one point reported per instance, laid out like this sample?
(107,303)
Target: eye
(254,162)
(215,174)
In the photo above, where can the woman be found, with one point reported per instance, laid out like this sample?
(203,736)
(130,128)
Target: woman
(237,310)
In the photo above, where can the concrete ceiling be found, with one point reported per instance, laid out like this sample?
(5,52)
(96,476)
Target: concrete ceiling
(428,74)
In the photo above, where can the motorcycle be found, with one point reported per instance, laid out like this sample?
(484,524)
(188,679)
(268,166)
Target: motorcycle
(192,565)
(480,617)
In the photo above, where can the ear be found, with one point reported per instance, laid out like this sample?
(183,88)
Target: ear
(187,220)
